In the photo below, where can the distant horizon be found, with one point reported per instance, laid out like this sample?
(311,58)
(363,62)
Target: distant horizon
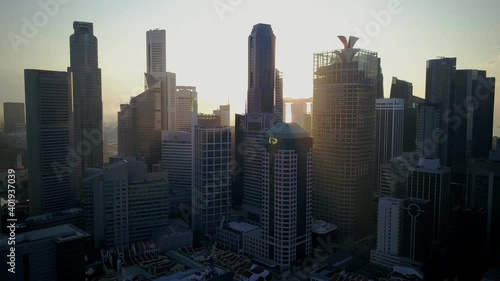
(207,43)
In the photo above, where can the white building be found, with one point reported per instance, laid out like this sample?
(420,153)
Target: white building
(224,112)
(211,189)
(389,226)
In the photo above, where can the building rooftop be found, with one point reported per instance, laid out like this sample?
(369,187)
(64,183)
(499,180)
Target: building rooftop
(241,227)
(322,227)
(287,130)
(59,233)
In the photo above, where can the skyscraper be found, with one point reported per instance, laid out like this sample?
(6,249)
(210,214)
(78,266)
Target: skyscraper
(185,101)
(224,112)
(389,229)
(13,113)
(49,127)
(401,89)
(176,160)
(211,189)
(278,109)
(389,132)
(260,113)
(471,120)
(287,193)
(439,88)
(346,84)
(156,53)
(430,182)
(87,96)
(261,69)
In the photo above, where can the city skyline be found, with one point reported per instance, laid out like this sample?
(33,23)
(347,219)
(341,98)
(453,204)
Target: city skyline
(394,40)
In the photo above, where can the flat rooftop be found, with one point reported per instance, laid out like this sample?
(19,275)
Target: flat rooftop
(242,227)
(60,233)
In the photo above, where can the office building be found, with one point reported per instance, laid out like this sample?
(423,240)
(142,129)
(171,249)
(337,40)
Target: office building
(471,120)
(176,161)
(389,133)
(278,97)
(430,182)
(439,89)
(237,160)
(261,69)
(13,114)
(50,254)
(156,51)
(260,113)
(49,134)
(286,197)
(211,189)
(346,84)
(185,101)
(430,139)
(224,112)
(483,191)
(209,120)
(123,203)
(394,177)
(177,234)
(389,229)
(87,97)
(417,231)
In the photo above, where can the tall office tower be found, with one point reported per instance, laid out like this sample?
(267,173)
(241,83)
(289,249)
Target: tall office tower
(429,138)
(483,191)
(51,254)
(417,231)
(156,54)
(146,127)
(176,161)
(224,112)
(389,229)
(389,133)
(278,96)
(471,120)
(185,101)
(346,84)
(401,89)
(87,96)
(439,88)
(261,69)
(165,84)
(260,113)
(237,160)
(429,181)
(13,113)
(123,203)
(211,190)
(49,127)
(125,132)
(287,193)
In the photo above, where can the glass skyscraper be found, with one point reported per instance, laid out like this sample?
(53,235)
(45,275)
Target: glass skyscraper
(346,84)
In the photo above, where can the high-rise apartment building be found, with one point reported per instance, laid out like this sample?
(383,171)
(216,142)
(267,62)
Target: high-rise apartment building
(87,96)
(346,84)
(389,132)
(211,189)
(176,160)
(48,96)
(13,113)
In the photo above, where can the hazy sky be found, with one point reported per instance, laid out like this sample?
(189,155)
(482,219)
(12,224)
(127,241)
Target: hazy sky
(207,46)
